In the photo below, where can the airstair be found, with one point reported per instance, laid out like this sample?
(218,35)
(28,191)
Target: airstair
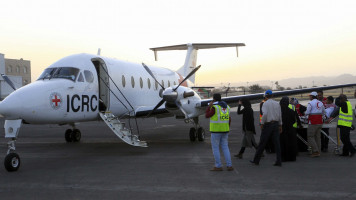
(119,129)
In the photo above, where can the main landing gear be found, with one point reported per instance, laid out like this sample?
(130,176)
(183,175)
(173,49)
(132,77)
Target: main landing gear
(197,131)
(73,135)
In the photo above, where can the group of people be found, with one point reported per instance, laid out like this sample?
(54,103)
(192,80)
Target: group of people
(280,123)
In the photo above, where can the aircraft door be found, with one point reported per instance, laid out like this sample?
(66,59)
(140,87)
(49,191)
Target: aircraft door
(103,80)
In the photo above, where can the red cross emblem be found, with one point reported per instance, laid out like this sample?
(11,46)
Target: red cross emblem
(55,100)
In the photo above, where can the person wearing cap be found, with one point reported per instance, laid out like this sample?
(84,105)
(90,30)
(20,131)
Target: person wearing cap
(315,111)
(219,113)
(345,123)
(271,126)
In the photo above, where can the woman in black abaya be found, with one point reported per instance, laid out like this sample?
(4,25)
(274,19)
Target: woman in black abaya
(288,137)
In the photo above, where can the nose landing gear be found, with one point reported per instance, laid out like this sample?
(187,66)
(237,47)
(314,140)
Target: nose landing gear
(12,160)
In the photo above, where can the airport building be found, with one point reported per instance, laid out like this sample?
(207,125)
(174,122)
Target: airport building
(18,71)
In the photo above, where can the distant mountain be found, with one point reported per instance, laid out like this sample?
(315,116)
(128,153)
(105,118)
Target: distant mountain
(304,82)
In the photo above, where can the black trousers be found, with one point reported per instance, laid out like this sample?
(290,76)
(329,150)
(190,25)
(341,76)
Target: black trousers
(324,139)
(269,130)
(345,138)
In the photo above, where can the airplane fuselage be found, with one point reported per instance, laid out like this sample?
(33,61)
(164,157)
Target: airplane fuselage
(77,85)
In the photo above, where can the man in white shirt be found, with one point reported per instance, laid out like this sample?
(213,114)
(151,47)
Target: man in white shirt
(315,111)
(271,126)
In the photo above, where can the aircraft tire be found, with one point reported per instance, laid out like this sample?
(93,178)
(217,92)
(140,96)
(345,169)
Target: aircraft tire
(201,134)
(76,135)
(192,134)
(68,135)
(12,162)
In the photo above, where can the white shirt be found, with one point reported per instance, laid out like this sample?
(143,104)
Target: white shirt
(315,107)
(271,111)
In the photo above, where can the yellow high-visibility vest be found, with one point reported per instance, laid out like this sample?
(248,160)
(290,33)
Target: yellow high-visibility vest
(219,122)
(295,125)
(345,119)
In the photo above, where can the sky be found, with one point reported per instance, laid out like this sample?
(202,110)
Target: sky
(283,38)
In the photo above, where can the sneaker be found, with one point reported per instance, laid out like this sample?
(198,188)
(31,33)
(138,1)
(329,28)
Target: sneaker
(315,154)
(230,168)
(216,169)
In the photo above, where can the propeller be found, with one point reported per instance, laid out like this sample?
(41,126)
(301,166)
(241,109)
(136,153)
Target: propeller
(189,75)
(8,81)
(173,91)
(153,76)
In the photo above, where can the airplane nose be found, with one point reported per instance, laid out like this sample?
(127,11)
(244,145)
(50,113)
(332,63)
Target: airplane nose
(10,107)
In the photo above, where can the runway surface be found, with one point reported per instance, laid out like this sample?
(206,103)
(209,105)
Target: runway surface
(172,167)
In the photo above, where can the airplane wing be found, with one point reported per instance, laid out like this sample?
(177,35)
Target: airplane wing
(159,113)
(232,101)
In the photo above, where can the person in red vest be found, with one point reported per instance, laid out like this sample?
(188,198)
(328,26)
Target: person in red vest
(315,112)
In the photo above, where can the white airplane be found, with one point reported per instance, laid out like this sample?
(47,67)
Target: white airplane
(87,87)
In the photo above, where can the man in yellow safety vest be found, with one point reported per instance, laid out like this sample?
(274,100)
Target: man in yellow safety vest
(219,114)
(345,123)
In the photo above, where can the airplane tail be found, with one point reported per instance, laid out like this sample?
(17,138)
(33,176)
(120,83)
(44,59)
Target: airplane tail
(192,51)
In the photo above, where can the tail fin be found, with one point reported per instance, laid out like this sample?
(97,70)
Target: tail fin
(192,52)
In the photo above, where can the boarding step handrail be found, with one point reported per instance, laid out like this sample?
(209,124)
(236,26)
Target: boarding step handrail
(120,130)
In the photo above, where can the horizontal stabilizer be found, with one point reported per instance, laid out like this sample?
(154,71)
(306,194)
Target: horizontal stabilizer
(197,46)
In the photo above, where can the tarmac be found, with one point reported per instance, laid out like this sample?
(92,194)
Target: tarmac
(101,166)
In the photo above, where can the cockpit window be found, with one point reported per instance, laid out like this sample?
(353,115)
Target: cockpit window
(81,78)
(66,72)
(47,73)
(88,76)
(60,72)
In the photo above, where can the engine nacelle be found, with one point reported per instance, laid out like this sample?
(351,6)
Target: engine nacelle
(184,102)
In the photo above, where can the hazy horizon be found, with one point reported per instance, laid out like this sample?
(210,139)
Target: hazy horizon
(284,39)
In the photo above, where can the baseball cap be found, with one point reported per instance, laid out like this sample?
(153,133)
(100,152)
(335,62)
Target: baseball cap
(268,92)
(313,94)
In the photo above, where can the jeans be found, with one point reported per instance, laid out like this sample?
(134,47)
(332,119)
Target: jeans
(217,140)
(270,130)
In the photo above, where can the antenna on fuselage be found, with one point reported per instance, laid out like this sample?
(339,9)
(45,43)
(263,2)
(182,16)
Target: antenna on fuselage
(99,51)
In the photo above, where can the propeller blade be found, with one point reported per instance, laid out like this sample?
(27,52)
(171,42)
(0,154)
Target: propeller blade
(8,81)
(150,72)
(189,75)
(155,108)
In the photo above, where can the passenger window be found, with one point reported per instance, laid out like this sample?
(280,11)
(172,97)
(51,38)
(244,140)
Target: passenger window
(123,81)
(149,83)
(169,84)
(88,76)
(132,82)
(80,78)
(156,85)
(162,83)
(174,83)
(141,83)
